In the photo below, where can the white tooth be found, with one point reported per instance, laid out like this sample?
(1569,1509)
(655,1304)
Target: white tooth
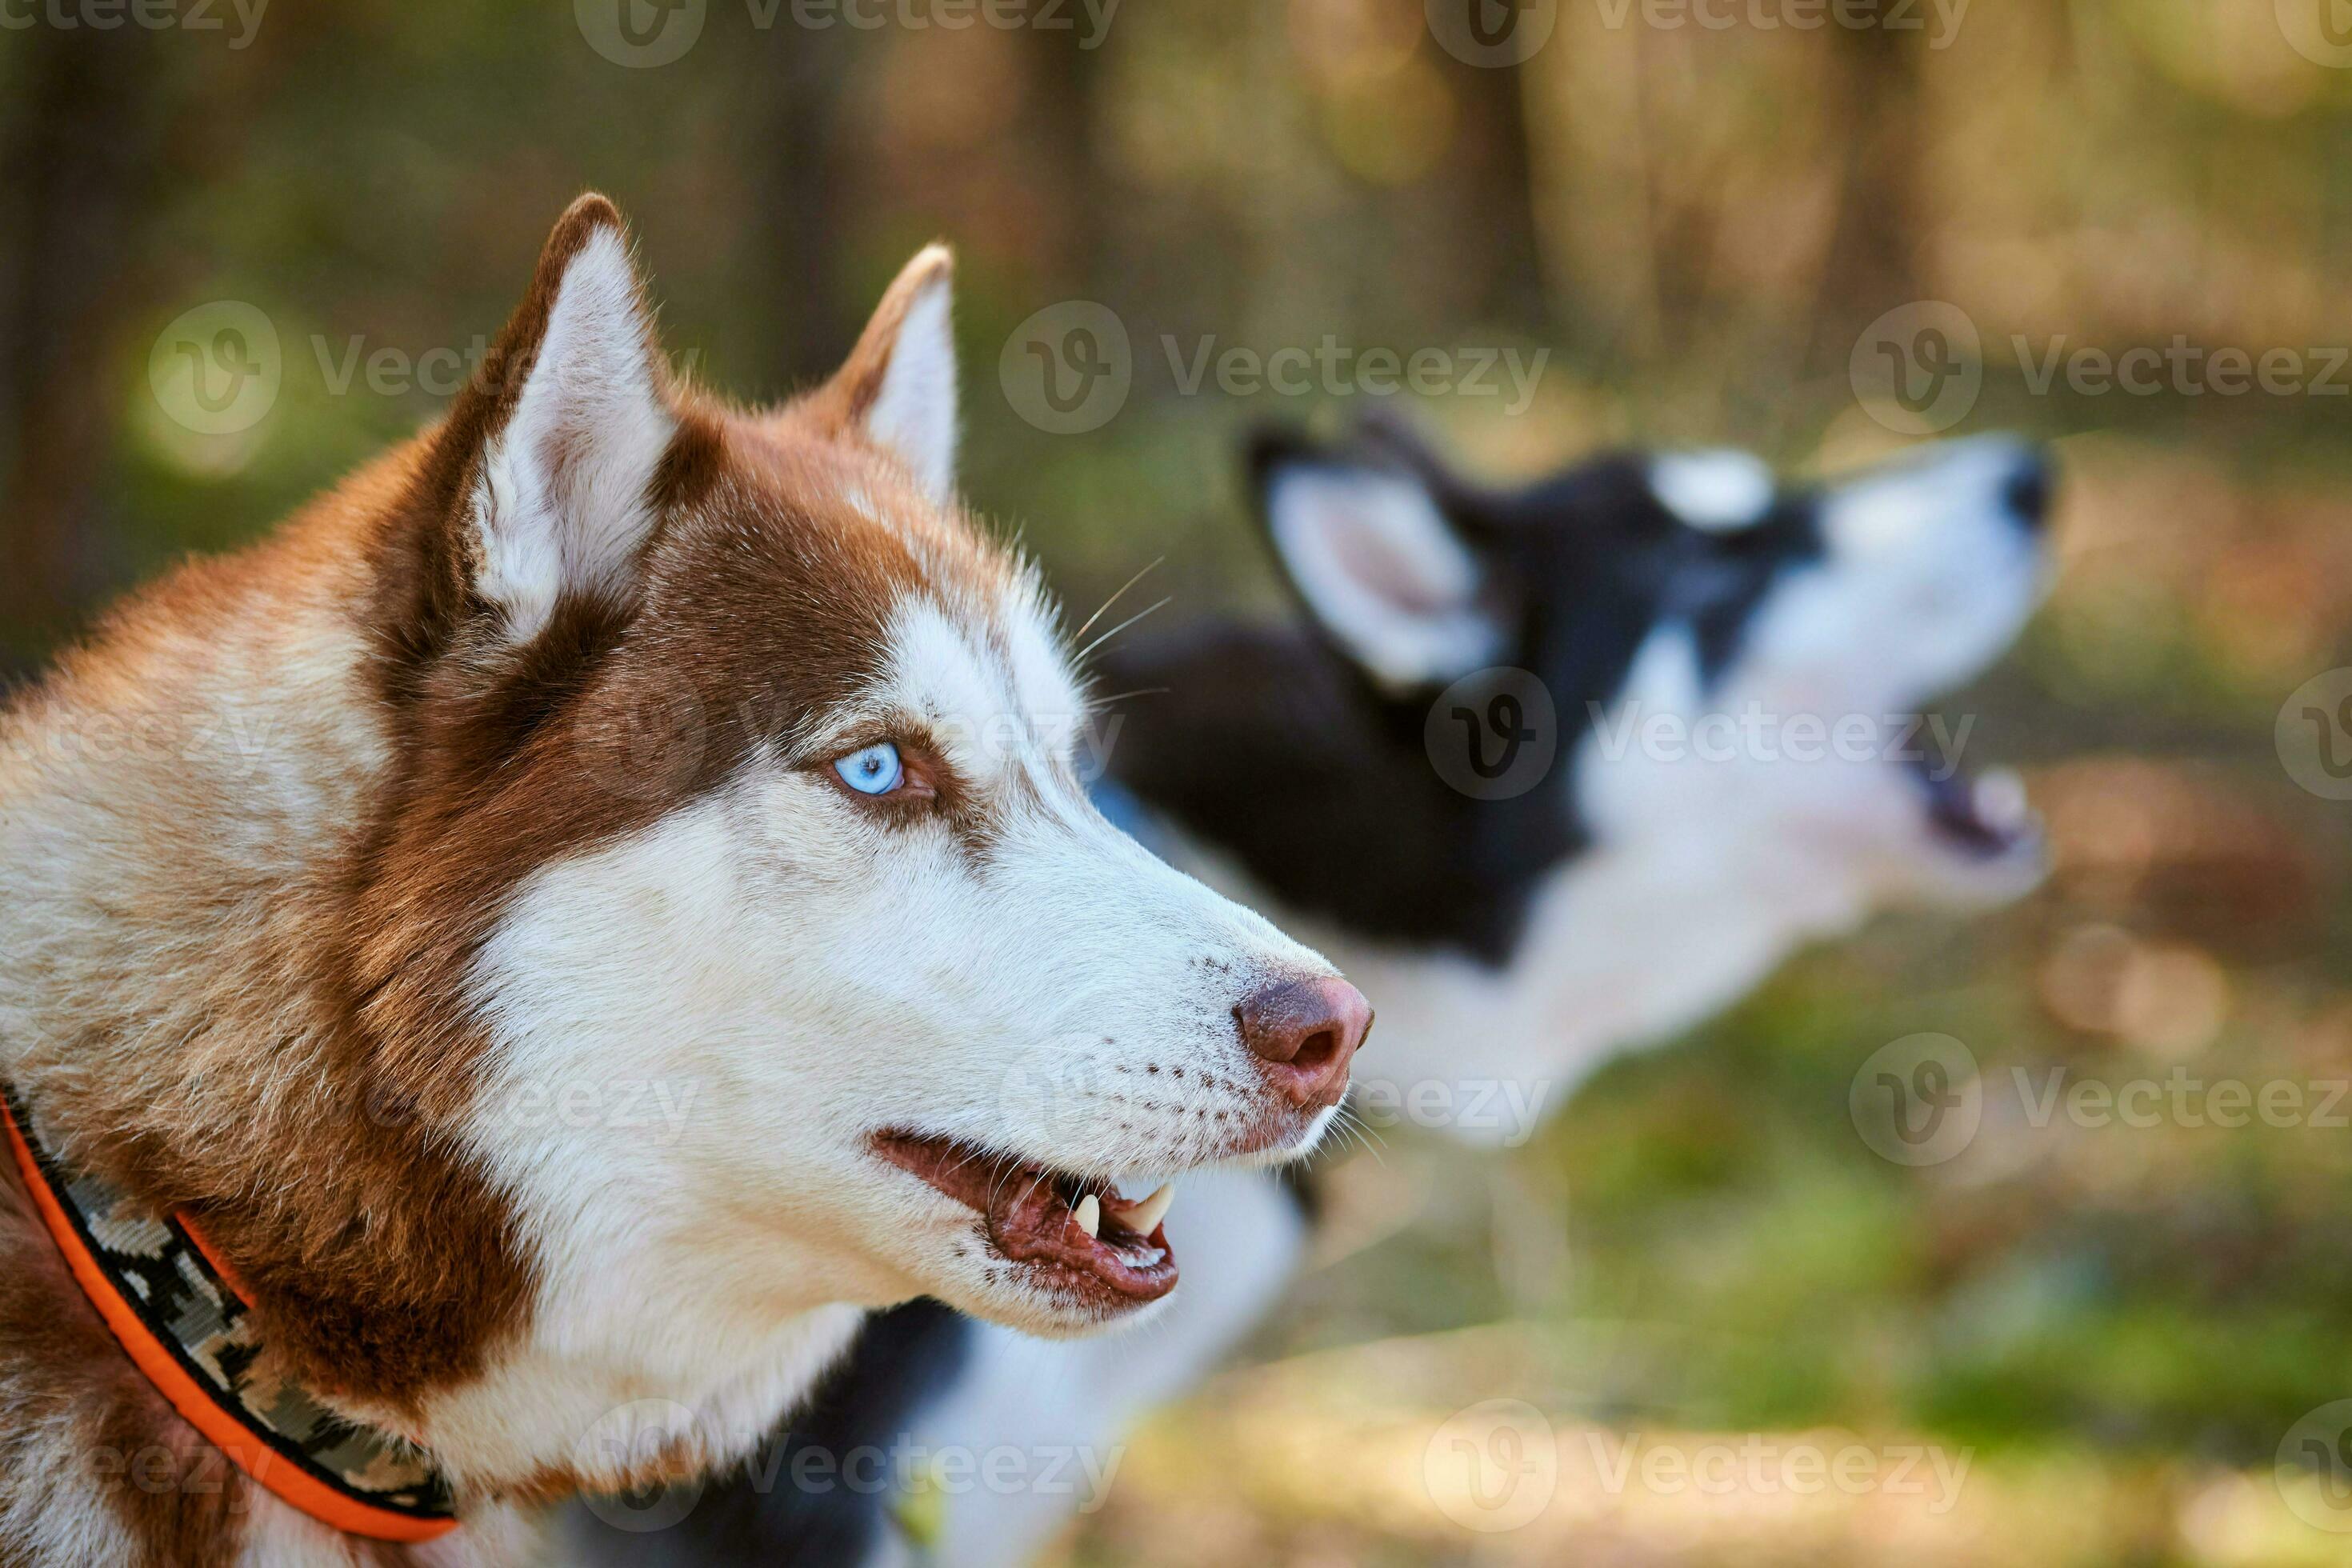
(1089,1212)
(2000,798)
(1143,1219)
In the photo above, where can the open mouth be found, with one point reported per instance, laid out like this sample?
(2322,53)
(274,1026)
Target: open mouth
(1076,1234)
(1985,815)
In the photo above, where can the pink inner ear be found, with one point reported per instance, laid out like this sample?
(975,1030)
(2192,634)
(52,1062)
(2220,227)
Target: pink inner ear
(1363,555)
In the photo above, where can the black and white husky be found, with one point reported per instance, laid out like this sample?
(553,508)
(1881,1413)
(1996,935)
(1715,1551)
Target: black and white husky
(1553,771)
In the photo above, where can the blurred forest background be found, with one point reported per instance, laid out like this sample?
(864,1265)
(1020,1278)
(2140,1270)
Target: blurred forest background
(2121,1326)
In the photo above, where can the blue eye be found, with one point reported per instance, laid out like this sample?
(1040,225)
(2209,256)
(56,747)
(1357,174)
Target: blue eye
(875,770)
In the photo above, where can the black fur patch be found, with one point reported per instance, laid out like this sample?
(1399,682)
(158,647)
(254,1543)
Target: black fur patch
(1271,745)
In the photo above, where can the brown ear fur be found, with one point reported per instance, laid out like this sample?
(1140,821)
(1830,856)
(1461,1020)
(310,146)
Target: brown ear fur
(487,400)
(441,1278)
(839,407)
(426,567)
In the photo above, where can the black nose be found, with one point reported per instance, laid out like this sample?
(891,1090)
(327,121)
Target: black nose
(2026,492)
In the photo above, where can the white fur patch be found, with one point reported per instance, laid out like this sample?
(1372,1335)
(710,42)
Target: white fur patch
(791,973)
(561,505)
(1716,491)
(1042,677)
(1379,567)
(915,414)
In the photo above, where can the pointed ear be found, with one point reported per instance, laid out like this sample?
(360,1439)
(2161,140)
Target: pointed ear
(563,432)
(898,388)
(1373,557)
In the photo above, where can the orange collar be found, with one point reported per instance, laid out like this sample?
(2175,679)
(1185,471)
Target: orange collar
(186,1324)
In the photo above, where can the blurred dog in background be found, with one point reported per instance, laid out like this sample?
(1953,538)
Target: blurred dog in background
(1553,771)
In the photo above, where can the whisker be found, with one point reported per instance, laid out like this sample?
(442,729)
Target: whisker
(1080,658)
(1351,1121)
(1114,599)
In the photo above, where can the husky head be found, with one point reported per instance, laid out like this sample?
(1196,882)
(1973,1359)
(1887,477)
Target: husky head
(1741,671)
(742,808)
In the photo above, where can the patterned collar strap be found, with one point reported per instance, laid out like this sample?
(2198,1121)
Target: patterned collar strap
(189,1330)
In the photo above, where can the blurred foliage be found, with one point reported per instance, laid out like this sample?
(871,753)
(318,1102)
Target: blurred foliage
(1699,223)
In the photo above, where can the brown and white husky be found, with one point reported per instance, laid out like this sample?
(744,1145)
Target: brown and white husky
(528,953)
